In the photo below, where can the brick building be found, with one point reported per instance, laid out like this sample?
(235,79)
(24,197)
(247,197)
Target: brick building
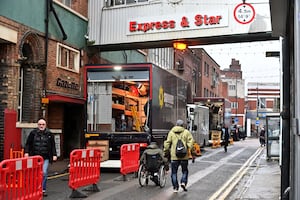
(233,76)
(262,98)
(41,57)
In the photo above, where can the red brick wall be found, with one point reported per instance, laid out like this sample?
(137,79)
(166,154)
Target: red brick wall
(207,80)
(80,6)
(54,72)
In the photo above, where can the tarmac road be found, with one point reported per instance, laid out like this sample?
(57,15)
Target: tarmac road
(214,175)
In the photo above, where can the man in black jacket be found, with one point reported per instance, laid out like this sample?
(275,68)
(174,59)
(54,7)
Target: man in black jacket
(226,137)
(41,142)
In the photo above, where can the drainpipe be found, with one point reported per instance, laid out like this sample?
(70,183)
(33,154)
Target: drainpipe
(57,19)
(46,55)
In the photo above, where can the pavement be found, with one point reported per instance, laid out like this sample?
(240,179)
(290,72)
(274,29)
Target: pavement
(58,167)
(261,181)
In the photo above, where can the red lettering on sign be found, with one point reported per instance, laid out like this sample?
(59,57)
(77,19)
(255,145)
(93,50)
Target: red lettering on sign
(184,22)
(199,20)
(134,26)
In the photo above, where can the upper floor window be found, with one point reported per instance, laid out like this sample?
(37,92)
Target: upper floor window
(231,87)
(67,58)
(67,2)
(111,3)
(206,69)
(234,105)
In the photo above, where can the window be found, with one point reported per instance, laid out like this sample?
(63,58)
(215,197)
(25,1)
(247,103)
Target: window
(20,100)
(262,102)
(67,2)
(206,69)
(231,87)
(234,105)
(67,58)
(111,3)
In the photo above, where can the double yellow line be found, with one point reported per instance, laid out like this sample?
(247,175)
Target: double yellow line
(225,190)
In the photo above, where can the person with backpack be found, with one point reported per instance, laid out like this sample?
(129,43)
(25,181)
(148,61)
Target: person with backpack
(40,141)
(177,145)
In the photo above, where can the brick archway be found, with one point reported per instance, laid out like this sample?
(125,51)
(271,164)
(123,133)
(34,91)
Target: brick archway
(32,73)
(31,49)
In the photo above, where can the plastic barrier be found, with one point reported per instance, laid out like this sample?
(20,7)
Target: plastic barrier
(130,156)
(84,170)
(21,178)
(216,139)
(231,140)
(16,154)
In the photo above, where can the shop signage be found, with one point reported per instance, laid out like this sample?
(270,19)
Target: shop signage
(67,84)
(176,23)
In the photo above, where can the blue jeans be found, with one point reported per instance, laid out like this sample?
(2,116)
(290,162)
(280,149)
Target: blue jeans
(45,173)
(185,172)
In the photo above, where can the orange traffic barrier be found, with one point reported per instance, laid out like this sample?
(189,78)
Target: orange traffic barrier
(231,140)
(16,154)
(84,170)
(21,178)
(130,155)
(216,139)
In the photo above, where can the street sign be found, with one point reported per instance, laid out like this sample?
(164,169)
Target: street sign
(236,120)
(257,123)
(244,13)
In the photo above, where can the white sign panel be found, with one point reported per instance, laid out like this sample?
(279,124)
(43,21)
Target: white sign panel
(163,20)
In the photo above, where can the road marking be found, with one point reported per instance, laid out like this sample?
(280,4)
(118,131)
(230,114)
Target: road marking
(194,178)
(58,176)
(224,191)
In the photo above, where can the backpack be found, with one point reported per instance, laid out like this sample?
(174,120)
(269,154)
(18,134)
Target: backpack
(181,150)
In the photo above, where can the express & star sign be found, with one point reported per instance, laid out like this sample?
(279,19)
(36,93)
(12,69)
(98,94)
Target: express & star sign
(197,21)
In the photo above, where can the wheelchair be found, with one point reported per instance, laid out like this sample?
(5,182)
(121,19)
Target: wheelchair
(153,168)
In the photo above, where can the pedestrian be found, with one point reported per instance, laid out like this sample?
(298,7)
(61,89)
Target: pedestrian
(176,133)
(262,139)
(40,141)
(153,149)
(226,137)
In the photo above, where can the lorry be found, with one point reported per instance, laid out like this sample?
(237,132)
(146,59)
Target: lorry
(219,112)
(131,103)
(198,123)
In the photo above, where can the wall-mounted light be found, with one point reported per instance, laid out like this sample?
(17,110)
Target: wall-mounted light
(117,67)
(179,45)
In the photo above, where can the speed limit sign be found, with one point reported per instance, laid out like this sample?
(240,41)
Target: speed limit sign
(244,13)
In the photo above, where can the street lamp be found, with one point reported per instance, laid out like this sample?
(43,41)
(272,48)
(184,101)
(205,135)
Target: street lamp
(179,45)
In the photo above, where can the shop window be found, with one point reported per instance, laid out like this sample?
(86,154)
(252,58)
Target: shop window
(67,58)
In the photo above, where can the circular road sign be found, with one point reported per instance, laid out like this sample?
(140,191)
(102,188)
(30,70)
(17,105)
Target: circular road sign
(244,13)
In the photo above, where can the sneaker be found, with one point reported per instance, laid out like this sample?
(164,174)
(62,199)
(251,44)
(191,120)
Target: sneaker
(45,194)
(183,186)
(175,190)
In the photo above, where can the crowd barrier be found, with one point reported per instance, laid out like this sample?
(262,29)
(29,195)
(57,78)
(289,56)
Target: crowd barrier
(21,178)
(84,170)
(15,153)
(130,156)
(216,139)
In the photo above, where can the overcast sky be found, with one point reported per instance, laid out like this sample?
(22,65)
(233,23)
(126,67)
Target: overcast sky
(255,65)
